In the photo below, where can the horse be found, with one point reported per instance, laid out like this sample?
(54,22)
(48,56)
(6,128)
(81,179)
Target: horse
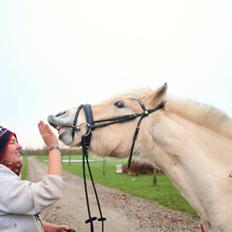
(191,142)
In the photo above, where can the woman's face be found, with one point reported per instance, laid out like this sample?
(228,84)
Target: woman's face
(13,151)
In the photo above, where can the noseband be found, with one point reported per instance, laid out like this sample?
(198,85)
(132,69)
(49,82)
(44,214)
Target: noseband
(86,139)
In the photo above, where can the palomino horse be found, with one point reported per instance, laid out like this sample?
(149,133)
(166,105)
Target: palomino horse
(189,141)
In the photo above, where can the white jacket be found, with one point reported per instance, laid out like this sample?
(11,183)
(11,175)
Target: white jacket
(20,200)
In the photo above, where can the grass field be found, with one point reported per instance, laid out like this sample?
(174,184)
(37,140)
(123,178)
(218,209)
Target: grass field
(141,186)
(24,168)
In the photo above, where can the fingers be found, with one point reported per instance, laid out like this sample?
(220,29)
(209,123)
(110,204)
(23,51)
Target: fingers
(48,129)
(48,136)
(64,228)
(41,127)
(44,128)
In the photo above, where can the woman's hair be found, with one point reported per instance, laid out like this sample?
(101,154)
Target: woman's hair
(5,136)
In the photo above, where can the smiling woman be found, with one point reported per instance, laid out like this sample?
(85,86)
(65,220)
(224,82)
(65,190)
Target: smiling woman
(21,201)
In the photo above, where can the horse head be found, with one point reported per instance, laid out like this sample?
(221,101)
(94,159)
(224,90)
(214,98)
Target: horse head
(113,139)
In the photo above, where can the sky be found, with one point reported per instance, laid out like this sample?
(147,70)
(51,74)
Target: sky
(59,54)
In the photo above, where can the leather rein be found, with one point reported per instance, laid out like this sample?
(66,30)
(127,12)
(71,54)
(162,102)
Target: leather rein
(86,139)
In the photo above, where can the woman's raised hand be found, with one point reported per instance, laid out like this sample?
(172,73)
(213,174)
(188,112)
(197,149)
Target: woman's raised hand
(48,136)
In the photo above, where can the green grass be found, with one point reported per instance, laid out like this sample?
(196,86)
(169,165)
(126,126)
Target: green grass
(164,193)
(24,168)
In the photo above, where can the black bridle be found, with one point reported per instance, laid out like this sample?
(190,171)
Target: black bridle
(86,139)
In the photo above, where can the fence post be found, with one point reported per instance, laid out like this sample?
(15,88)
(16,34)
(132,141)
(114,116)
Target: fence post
(69,157)
(154,177)
(104,167)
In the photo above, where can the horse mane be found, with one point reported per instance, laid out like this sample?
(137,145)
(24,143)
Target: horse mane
(202,114)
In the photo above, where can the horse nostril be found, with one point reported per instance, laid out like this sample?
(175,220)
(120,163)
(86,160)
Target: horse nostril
(60,113)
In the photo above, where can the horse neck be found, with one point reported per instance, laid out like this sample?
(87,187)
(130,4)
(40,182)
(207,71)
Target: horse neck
(192,156)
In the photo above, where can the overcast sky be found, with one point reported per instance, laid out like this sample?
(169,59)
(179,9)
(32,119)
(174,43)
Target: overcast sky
(59,54)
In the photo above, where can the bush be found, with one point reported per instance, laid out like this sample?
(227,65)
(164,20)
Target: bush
(137,168)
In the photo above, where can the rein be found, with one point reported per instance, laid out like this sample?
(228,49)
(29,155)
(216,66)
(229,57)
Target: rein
(85,142)
(86,139)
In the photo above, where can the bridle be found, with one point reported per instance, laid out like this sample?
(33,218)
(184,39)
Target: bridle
(92,125)
(86,139)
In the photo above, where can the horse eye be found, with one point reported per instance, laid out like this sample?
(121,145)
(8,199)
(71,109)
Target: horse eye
(119,104)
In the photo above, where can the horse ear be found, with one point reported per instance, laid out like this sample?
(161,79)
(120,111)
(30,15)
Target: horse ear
(158,95)
(161,91)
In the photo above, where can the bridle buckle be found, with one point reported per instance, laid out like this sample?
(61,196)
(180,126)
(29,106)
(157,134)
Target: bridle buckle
(146,112)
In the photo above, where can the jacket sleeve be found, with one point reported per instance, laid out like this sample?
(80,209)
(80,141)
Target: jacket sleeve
(24,197)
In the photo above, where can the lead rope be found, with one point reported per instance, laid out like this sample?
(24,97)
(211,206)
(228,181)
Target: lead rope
(86,160)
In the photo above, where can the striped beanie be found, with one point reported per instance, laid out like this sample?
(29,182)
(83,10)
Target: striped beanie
(5,136)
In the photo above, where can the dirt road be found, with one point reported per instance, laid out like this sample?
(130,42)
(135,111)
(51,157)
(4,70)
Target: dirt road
(124,212)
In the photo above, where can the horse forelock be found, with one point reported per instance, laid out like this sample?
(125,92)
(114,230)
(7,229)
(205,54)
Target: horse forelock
(136,93)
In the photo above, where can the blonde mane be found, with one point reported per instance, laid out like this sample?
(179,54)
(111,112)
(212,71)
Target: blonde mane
(202,114)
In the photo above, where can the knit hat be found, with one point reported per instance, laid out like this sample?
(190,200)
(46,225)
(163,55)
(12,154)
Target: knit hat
(5,136)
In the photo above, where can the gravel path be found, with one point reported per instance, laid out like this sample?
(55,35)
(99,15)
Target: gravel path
(123,211)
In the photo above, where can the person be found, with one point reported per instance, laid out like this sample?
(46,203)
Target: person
(21,201)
